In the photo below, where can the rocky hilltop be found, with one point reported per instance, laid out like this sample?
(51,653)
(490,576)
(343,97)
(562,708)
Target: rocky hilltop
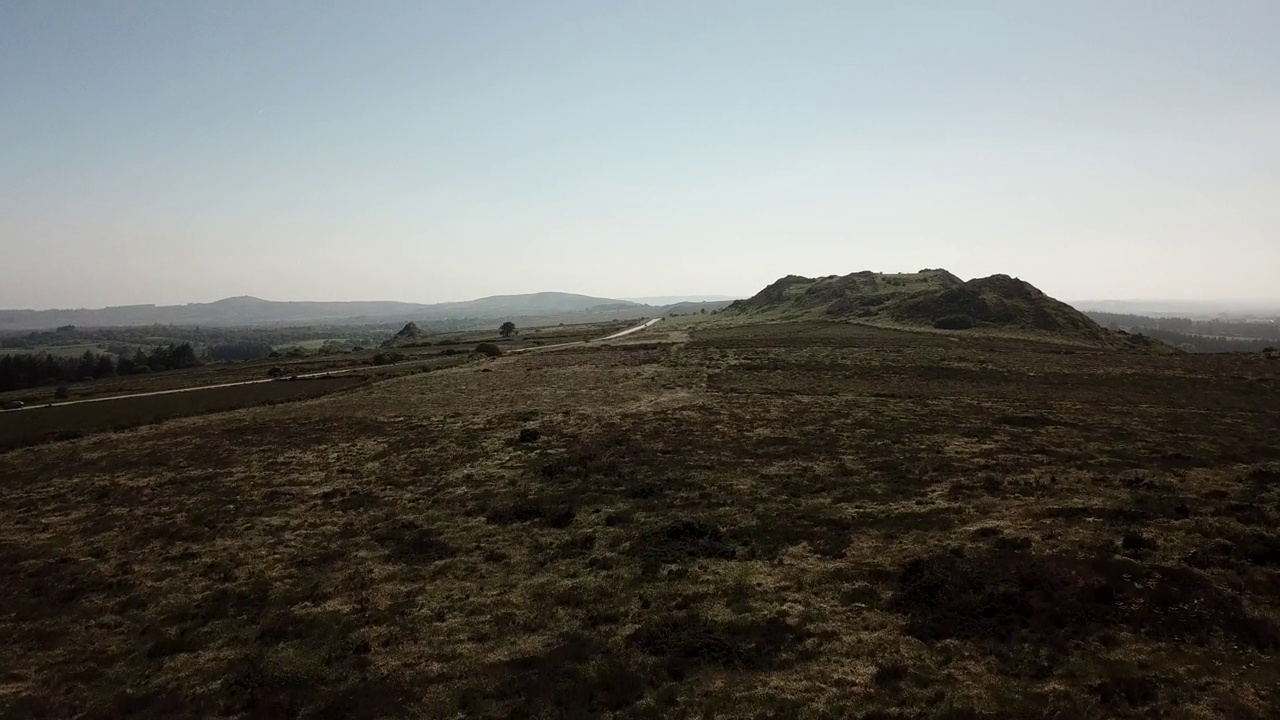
(931,298)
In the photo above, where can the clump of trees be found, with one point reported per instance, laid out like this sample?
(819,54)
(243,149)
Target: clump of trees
(507,329)
(1205,336)
(239,351)
(238,339)
(29,370)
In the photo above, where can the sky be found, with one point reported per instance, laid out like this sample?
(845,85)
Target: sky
(172,152)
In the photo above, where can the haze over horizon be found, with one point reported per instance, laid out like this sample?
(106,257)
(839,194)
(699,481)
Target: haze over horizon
(162,153)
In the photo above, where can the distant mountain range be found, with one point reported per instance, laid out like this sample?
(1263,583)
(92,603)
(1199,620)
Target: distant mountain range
(674,299)
(1185,308)
(243,311)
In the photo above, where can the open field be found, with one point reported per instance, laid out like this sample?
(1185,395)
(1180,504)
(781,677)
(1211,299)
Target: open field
(61,422)
(809,520)
(221,373)
(528,337)
(213,374)
(164,401)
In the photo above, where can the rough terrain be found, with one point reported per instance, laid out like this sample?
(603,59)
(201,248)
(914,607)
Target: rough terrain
(795,520)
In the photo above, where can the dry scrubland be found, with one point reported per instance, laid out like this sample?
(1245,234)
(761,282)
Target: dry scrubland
(424,348)
(778,521)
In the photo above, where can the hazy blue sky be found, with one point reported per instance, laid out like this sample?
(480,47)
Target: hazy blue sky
(185,151)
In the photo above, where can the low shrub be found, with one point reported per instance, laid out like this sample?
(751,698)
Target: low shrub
(489,350)
(954,322)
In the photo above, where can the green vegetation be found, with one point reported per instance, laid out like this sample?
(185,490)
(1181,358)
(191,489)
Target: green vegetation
(508,329)
(489,350)
(28,371)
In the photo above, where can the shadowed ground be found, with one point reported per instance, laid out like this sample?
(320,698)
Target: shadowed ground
(778,521)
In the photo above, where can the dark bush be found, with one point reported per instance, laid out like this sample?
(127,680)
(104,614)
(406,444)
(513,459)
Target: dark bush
(411,543)
(489,350)
(238,351)
(578,677)
(550,514)
(529,435)
(681,541)
(388,358)
(1135,691)
(1049,600)
(954,322)
(689,642)
(1136,542)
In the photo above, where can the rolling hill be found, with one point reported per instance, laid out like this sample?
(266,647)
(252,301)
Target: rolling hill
(243,311)
(930,298)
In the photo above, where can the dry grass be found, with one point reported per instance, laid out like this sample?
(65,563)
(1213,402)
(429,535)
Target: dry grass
(779,521)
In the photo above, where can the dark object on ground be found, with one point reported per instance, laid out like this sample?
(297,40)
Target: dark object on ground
(489,350)
(529,435)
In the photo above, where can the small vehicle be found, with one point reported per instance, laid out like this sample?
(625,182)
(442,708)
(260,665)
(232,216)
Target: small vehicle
(13,405)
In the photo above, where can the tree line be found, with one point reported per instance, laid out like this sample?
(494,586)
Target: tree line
(28,370)
(213,337)
(1197,335)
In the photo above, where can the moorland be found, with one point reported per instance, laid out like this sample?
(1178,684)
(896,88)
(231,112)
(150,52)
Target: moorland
(772,511)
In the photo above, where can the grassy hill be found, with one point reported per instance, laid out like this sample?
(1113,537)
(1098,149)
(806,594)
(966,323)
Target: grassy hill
(931,298)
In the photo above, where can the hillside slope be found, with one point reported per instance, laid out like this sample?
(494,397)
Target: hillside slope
(930,298)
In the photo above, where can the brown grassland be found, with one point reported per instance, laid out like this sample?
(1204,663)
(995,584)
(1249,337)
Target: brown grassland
(61,422)
(426,349)
(802,520)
